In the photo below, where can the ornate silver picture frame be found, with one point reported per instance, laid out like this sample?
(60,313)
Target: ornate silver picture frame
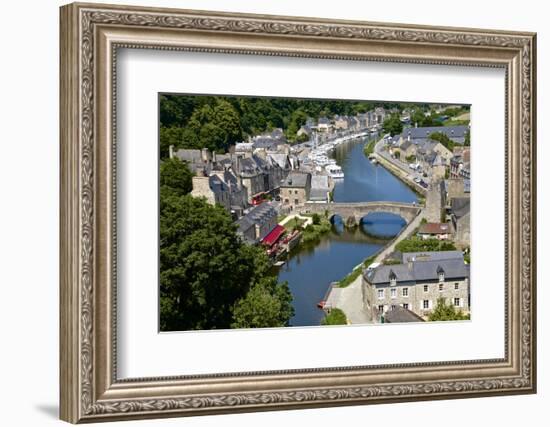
(91,391)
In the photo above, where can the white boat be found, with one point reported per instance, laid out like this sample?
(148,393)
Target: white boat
(335,171)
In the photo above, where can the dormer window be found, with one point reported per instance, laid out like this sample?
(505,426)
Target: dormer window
(440,274)
(393,278)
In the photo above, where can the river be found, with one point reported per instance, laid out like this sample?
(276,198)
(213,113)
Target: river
(311,268)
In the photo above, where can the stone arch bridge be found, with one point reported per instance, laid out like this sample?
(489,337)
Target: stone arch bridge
(407,211)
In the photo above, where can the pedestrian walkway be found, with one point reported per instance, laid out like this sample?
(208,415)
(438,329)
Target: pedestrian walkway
(308,220)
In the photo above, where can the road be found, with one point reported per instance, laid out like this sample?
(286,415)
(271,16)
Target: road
(406,172)
(350,301)
(409,229)
(308,220)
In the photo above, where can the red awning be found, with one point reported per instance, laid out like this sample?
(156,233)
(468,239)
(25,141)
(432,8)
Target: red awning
(273,235)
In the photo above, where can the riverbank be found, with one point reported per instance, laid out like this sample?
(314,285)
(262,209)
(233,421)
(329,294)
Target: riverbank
(311,268)
(402,175)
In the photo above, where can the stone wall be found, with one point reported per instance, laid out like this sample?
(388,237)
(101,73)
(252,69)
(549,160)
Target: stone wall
(416,296)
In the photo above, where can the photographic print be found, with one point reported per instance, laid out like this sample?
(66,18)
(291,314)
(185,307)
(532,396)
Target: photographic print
(280,212)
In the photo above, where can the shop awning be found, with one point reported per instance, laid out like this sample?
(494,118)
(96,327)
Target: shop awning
(273,235)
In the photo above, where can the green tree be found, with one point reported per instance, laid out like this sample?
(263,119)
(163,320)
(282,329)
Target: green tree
(316,219)
(444,312)
(176,176)
(335,317)
(204,267)
(266,305)
(467,138)
(392,124)
(417,244)
(297,119)
(443,139)
(172,135)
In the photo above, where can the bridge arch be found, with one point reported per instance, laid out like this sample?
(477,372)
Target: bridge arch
(408,211)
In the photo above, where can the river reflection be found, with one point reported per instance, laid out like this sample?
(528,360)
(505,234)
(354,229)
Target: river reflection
(310,270)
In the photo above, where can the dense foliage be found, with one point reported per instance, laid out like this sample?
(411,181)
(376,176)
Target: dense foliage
(392,124)
(417,244)
(216,122)
(368,148)
(209,278)
(444,311)
(335,317)
(443,139)
(175,177)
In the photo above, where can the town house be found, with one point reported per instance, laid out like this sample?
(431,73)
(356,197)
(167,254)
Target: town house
(417,284)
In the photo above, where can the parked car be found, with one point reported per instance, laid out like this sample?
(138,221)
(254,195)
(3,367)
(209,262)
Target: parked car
(417,180)
(423,184)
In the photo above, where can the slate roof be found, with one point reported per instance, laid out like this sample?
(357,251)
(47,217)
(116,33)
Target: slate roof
(420,271)
(432,256)
(189,155)
(280,159)
(248,166)
(319,181)
(259,215)
(401,315)
(267,142)
(217,185)
(323,120)
(297,180)
(405,145)
(456,133)
(460,206)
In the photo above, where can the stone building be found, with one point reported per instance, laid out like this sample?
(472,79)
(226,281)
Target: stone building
(213,189)
(295,189)
(320,188)
(417,284)
(460,217)
(458,187)
(257,224)
(435,201)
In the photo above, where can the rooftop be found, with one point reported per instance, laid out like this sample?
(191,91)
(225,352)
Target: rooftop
(435,228)
(418,271)
(456,133)
(297,180)
(401,315)
(460,206)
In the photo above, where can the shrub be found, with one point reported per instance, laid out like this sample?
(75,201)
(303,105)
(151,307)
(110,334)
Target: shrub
(335,317)
(316,219)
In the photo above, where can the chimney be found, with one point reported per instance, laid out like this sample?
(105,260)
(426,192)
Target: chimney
(171,151)
(410,262)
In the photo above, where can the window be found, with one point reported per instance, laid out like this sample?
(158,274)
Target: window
(406,306)
(380,293)
(457,302)
(394,293)
(425,288)
(426,304)
(393,278)
(393,307)
(286,200)
(296,201)
(405,292)
(456,286)
(440,287)
(441,277)
(295,191)
(381,308)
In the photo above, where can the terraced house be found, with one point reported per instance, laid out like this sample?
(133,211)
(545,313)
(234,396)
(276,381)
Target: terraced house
(417,283)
